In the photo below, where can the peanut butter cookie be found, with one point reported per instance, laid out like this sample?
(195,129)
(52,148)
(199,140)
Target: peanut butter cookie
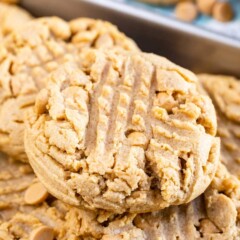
(225,93)
(17,217)
(213,215)
(46,217)
(28,55)
(125,132)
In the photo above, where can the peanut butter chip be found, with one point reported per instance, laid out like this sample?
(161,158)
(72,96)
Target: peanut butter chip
(207,226)
(137,139)
(42,233)
(35,194)
(186,11)
(206,6)
(228,214)
(223,12)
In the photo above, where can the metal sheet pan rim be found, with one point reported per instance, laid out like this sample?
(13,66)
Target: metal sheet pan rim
(164,21)
(186,45)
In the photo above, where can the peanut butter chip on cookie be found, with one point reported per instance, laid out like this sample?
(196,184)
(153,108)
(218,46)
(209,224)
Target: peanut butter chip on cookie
(223,12)
(228,214)
(186,11)
(42,233)
(207,226)
(137,139)
(35,194)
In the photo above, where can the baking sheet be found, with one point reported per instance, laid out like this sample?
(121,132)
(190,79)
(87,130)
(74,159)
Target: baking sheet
(184,44)
(229,29)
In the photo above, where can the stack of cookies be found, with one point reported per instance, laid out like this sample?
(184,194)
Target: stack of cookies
(102,141)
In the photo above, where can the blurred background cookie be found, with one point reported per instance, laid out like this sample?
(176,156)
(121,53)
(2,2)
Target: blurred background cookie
(29,54)
(41,218)
(225,93)
(12,18)
(17,217)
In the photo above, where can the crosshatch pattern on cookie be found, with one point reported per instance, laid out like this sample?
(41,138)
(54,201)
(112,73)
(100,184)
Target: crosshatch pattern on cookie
(129,126)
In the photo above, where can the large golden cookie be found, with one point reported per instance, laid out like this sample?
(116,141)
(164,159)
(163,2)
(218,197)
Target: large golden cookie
(225,93)
(128,132)
(28,55)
